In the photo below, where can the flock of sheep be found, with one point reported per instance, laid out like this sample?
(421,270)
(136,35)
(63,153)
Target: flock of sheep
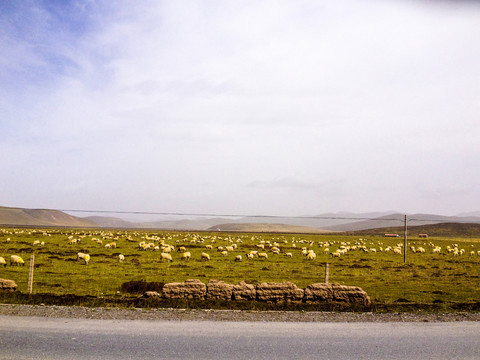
(181,246)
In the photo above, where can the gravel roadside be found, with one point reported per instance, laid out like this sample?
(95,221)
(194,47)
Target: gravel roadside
(224,315)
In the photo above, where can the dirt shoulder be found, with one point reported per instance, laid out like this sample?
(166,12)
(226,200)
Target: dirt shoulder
(103,313)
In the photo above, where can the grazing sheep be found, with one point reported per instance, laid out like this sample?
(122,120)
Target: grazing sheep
(182,249)
(36,243)
(80,256)
(289,254)
(311,256)
(229,248)
(167,249)
(86,259)
(121,257)
(3,262)
(250,256)
(238,258)
(205,257)
(263,256)
(166,256)
(186,256)
(224,253)
(208,247)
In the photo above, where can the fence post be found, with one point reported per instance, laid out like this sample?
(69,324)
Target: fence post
(326,273)
(405,240)
(30,274)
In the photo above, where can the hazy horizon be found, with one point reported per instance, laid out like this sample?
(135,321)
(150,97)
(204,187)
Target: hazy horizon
(251,107)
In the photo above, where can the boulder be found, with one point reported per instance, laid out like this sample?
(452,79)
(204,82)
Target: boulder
(336,293)
(8,285)
(219,290)
(243,291)
(190,289)
(279,292)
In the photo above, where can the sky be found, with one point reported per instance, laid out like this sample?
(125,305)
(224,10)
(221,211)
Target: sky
(273,107)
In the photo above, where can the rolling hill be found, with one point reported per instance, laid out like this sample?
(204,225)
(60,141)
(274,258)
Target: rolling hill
(464,230)
(41,217)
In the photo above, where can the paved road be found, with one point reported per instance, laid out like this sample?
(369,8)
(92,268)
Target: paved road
(47,338)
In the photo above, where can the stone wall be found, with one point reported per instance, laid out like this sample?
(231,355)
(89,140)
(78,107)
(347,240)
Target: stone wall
(266,292)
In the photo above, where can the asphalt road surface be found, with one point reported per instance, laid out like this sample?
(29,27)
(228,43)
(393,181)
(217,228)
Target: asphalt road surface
(48,338)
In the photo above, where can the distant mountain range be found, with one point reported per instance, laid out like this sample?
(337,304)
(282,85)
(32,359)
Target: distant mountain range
(41,217)
(323,223)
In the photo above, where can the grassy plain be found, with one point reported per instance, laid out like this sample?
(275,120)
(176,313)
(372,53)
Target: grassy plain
(426,278)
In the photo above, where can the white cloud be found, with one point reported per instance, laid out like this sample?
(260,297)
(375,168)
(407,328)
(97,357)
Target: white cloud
(286,107)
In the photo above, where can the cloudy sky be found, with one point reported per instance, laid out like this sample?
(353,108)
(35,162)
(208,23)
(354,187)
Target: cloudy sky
(241,107)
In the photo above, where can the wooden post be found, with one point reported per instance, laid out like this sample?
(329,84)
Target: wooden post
(326,273)
(30,274)
(405,240)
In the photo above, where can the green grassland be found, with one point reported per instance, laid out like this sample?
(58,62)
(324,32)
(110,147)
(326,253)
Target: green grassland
(426,278)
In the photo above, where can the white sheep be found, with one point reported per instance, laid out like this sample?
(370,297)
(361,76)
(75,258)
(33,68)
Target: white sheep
(80,256)
(205,257)
(186,255)
(238,258)
(224,253)
(263,255)
(16,260)
(166,256)
(311,256)
(121,257)
(86,258)
(3,262)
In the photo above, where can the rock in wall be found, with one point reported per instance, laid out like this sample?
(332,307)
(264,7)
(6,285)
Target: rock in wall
(322,292)
(279,292)
(190,289)
(7,285)
(219,290)
(243,291)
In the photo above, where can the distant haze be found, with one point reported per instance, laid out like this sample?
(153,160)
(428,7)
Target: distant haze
(241,107)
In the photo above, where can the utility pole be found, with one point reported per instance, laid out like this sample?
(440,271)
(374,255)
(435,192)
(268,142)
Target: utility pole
(405,240)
